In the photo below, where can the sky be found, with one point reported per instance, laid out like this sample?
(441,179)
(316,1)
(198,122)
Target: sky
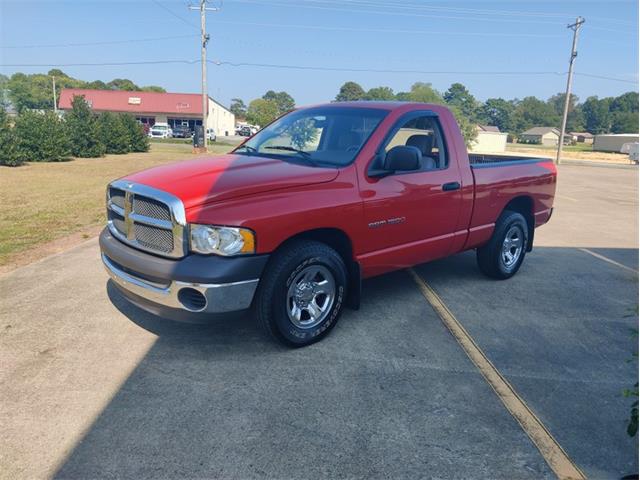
(373,42)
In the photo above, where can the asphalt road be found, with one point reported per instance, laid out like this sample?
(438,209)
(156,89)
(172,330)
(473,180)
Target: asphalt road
(91,387)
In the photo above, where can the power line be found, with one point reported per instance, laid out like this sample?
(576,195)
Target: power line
(591,75)
(394,13)
(174,14)
(376,70)
(387,30)
(318,68)
(99,64)
(88,44)
(473,11)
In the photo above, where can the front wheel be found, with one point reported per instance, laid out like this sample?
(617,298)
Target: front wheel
(502,257)
(302,293)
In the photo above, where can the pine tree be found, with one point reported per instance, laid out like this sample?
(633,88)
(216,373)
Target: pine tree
(9,151)
(83,128)
(138,140)
(42,137)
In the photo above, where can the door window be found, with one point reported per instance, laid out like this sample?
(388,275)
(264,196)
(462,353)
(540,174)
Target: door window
(424,133)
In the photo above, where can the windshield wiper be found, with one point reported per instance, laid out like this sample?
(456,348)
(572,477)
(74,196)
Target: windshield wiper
(247,147)
(305,155)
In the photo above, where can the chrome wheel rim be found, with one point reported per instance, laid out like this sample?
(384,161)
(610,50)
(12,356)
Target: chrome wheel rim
(310,296)
(512,246)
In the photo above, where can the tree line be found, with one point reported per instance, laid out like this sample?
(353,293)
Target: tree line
(594,115)
(44,136)
(35,91)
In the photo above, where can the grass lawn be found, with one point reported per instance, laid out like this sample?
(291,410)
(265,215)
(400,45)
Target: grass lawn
(578,147)
(42,202)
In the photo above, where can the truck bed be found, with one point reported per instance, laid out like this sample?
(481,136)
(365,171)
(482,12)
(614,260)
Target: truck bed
(486,160)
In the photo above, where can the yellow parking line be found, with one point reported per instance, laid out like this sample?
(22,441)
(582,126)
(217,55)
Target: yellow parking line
(551,451)
(608,260)
(566,197)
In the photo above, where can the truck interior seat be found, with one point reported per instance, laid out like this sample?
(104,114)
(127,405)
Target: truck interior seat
(424,143)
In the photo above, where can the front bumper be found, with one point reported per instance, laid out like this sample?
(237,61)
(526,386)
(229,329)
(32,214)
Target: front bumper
(195,284)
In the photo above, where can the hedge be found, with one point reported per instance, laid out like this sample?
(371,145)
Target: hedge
(45,137)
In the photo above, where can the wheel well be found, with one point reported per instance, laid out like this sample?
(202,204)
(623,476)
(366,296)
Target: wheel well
(524,206)
(341,243)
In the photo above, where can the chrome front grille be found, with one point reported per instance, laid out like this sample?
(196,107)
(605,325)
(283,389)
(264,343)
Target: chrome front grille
(154,238)
(149,207)
(146,218)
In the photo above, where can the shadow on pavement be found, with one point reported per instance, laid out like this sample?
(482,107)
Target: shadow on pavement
(389,393)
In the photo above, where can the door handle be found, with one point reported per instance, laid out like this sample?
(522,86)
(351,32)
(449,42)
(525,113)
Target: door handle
(448,187)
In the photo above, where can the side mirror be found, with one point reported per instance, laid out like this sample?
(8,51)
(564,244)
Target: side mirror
(403,158)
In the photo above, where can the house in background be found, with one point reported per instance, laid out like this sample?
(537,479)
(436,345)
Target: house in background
(489,139)
(154,107)
(541,135)
(582,137)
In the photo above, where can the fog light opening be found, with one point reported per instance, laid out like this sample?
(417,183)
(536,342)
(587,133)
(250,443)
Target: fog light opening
(192,299)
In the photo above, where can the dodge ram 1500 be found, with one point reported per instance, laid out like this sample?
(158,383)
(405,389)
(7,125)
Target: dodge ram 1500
(292,220)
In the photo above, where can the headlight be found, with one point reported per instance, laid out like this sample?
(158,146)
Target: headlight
(227,241)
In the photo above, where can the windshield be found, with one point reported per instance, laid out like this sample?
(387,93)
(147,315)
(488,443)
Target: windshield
(324,136)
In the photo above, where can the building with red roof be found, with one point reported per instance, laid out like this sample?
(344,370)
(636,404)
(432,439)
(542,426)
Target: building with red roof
(155,107)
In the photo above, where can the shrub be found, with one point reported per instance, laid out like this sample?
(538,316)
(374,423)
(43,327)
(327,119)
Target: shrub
(83,128)
(138,140)
(9,152)
(42,137)
(113,133)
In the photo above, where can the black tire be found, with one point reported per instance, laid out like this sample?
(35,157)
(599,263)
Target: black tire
(272,302)
(492,260)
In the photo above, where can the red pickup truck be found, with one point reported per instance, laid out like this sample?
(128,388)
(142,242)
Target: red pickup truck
(293,219)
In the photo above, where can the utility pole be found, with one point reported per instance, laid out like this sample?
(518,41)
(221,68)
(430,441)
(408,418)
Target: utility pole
(204,39)
(55,103)
(567,98)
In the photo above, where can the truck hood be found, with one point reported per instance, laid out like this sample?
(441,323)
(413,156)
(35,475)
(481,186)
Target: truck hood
(213,179)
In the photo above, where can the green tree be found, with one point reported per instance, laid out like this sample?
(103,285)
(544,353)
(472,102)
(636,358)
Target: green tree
(597,118)
(498,112)
(380,93)
(138,140)
(624,122)
(575,119)
(533,112)
(349,92)
(42,137)
(113,133)
(238,108)
(261,111)
(423,92)
(83,130)
(627,102)
(458,96)
(122,84)
(283,100)
(153,88)
(9,151)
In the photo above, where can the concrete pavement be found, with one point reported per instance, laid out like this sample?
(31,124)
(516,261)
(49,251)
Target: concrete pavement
(92,387)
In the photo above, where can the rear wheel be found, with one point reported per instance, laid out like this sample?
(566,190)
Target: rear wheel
(302,293)
(502,257)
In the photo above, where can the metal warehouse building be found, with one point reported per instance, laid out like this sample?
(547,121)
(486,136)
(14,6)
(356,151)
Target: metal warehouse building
(153,107)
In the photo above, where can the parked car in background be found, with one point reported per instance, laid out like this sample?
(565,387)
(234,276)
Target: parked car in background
(182,131)
(211,134)
(245,132)
(293,219)
(160,130)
